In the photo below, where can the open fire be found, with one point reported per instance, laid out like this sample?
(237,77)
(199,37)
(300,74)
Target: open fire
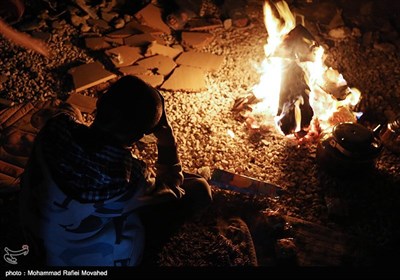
(297,93)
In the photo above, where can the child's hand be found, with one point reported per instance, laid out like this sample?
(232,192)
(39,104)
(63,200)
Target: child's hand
(163,131)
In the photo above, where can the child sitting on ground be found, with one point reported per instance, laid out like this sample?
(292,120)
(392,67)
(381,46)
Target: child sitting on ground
(82,191)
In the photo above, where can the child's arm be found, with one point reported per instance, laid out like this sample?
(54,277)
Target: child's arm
(23,39)
(169,169)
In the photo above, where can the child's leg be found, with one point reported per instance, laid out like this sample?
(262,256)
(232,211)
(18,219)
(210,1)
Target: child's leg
(161,221)
(198,193)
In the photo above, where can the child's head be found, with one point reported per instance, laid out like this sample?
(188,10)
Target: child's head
(129,109)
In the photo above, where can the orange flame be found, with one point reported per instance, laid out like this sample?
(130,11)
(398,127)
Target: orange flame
(320,79)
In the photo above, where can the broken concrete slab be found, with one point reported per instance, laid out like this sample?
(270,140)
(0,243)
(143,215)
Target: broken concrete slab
(89,10)
(96,43)
(88,75)
(108,16)
(156,48)
(114,41)
(185,78)
(143,28)
(128,30)
(99,24)
(178,47)
(124,55)
(203,24)
(86,104)
(153,80)
(205,61)
(160,39)
(133,28)
(159,63)
(151,16)
(139,40)
(196,40)
(133,70)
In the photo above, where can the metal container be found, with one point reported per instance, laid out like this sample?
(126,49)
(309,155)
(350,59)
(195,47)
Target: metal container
(348,148)
(390,136)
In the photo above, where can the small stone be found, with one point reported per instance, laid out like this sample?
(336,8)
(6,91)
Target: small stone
(228,23)
(119,23)
(385,47)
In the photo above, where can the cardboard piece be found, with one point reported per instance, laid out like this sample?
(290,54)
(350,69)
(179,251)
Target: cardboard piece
(243,184)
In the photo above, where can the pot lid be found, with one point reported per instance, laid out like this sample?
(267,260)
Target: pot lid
(353,137)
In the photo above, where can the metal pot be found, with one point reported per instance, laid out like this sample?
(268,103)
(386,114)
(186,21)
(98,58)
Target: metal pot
(348,148)
(390,136)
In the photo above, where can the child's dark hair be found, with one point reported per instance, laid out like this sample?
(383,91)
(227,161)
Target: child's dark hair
(130,105)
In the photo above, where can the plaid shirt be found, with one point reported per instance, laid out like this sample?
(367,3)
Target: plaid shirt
(80,192)
(84,166)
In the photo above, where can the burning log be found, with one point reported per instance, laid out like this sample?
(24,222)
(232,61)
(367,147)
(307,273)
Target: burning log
(295,112)
(299,44)
(339,90)
(244,102)
(343,114)
(297,90)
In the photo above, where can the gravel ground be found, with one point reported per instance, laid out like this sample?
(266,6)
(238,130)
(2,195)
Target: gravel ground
(365,205)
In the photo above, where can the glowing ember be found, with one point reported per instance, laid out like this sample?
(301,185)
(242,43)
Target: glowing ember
(318,99)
